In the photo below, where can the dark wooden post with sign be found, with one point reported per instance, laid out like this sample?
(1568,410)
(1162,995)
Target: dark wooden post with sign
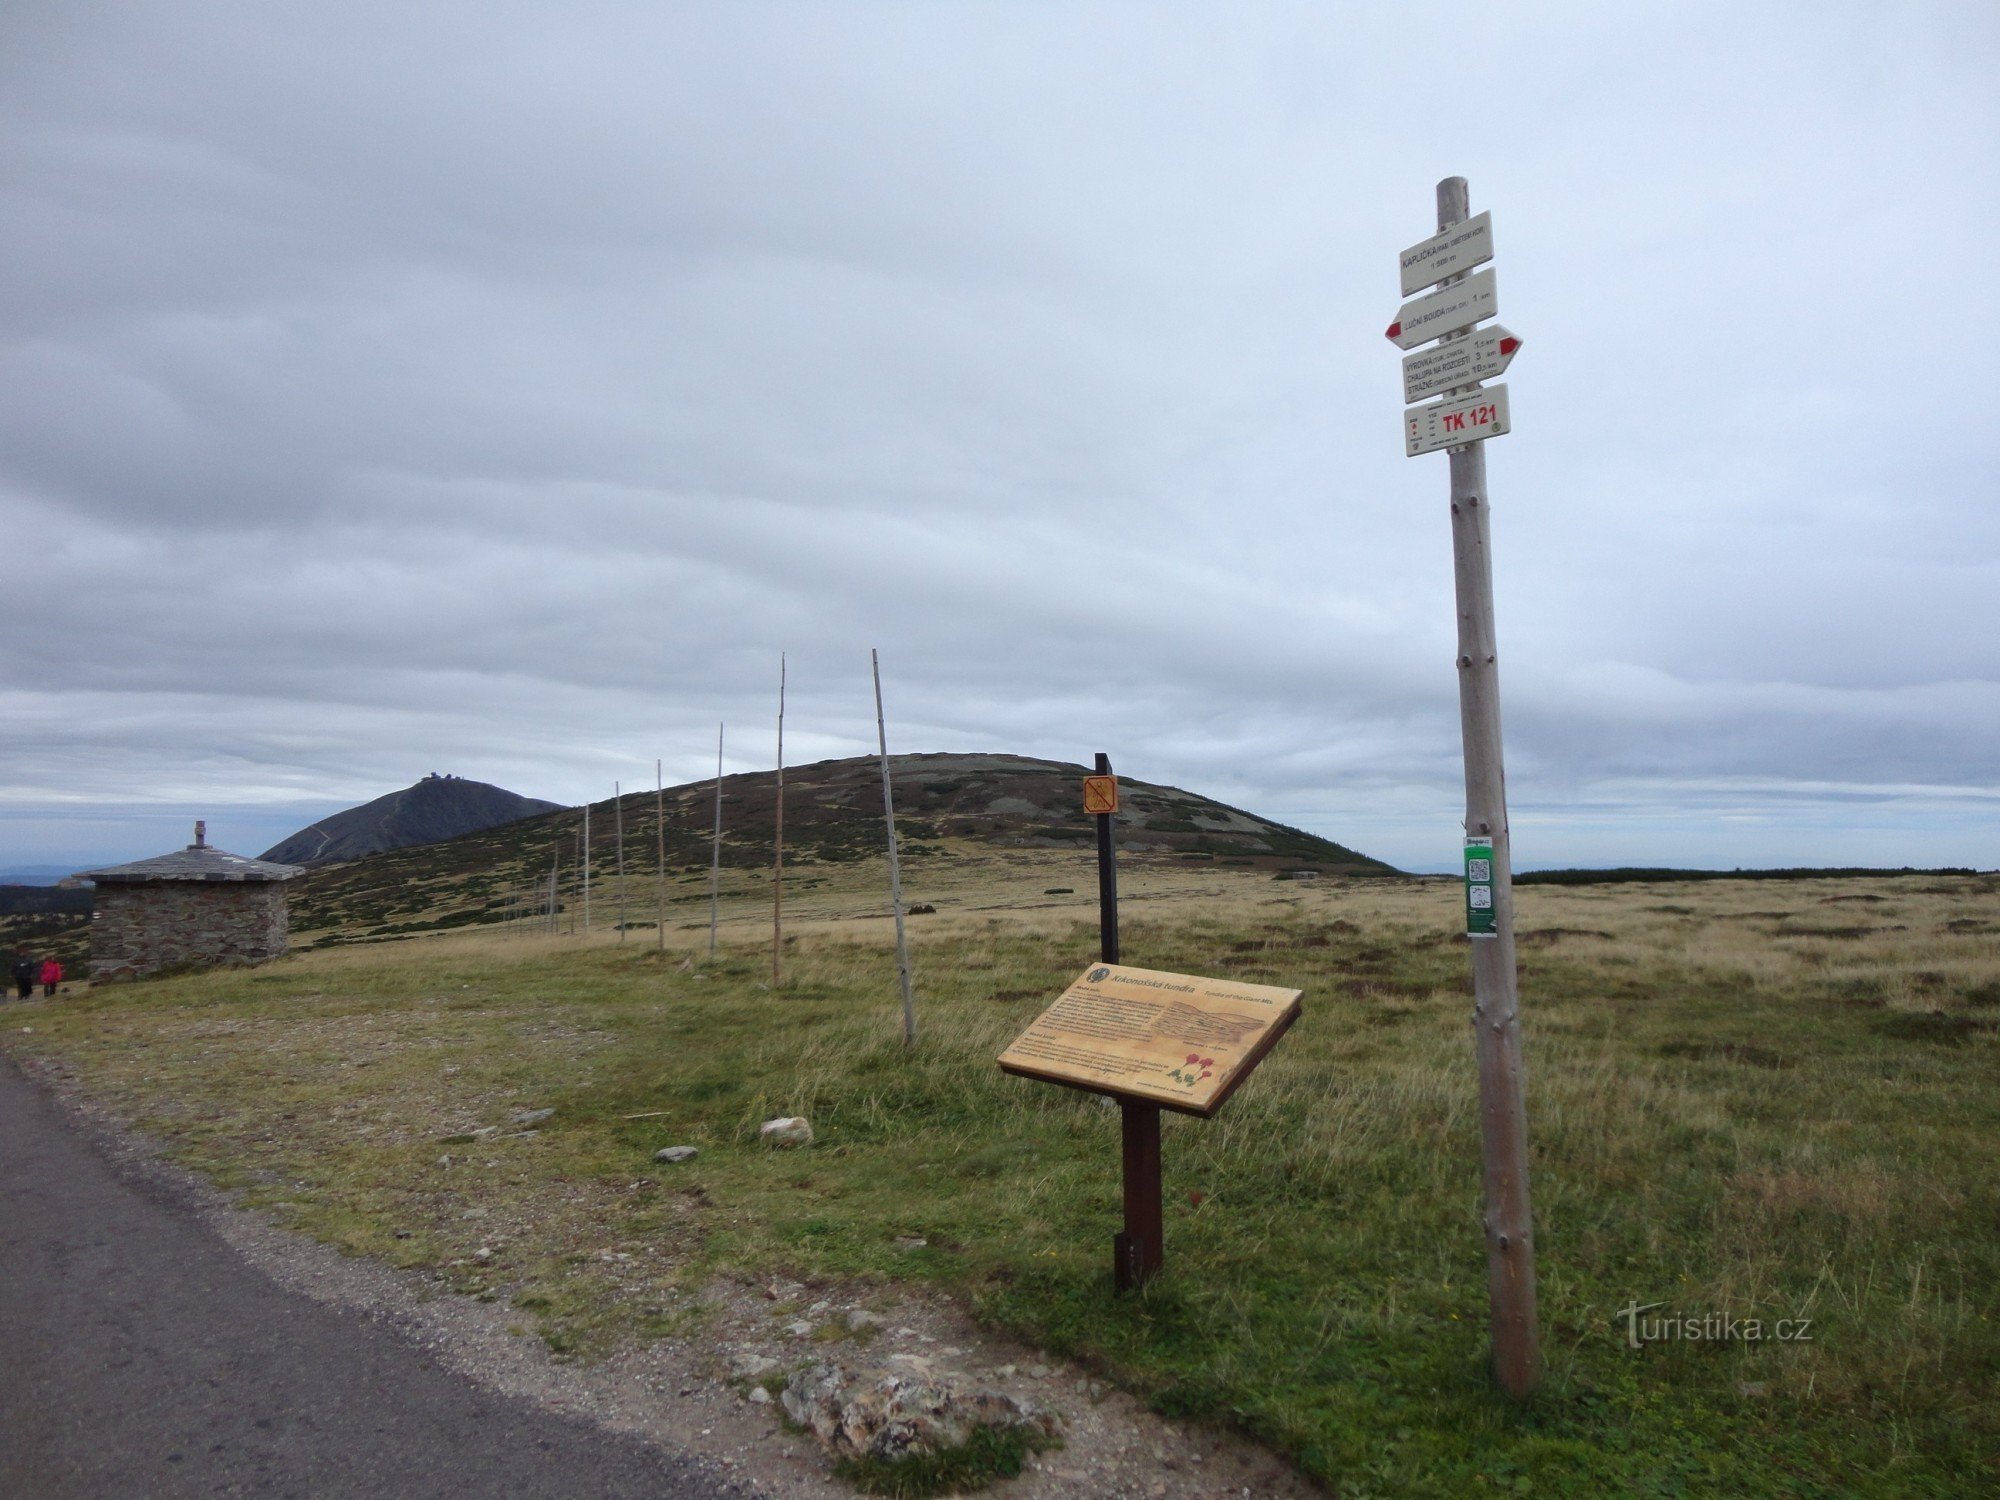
(1100,795)
(1140,1251)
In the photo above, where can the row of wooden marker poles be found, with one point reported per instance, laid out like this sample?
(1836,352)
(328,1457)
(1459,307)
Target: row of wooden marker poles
(551,902)
(1139,1251)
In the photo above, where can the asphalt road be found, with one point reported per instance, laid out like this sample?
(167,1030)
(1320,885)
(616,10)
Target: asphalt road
(140,1356)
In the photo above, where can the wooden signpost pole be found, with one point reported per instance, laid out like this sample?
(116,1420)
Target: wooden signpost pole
(1138,1253)
(895,867)
(1496,1016)
(583,864)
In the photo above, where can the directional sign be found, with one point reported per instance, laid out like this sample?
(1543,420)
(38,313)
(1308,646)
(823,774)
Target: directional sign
(1459,248)
(1463,419)
(1100,794)
(1485,353)
(1472,300)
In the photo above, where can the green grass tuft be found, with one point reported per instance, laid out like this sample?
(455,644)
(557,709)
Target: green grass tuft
(990,1453)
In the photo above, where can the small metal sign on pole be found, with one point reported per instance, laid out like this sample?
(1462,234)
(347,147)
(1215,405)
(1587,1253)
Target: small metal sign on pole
(1460,424)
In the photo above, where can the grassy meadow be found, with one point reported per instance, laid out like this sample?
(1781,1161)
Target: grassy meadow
(1757,1100)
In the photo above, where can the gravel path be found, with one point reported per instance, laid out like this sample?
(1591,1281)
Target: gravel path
(164,1343)
(144,1357)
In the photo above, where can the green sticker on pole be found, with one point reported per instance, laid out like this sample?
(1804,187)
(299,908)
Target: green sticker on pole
(1481,920)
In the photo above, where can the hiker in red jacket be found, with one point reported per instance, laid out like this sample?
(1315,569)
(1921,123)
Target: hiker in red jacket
(51,977)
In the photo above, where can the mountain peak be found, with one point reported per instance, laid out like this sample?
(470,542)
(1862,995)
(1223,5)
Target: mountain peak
(437,807)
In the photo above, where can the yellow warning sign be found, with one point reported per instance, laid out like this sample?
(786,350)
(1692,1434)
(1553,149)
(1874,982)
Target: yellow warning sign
(1100,794)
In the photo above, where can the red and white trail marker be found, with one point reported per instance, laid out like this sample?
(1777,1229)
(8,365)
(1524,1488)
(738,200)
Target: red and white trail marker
(1486,353)
(1463,419)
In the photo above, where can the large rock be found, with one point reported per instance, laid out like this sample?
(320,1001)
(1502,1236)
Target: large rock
(889,1415)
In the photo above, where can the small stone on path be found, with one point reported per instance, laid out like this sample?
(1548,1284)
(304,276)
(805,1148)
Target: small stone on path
(786,1130)
(675,1153)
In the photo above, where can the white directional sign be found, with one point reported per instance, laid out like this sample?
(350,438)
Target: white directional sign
(1463,419)
(1481,355)
(1472,300)
(1459,248)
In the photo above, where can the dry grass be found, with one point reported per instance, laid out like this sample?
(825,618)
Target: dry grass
(1768,1099)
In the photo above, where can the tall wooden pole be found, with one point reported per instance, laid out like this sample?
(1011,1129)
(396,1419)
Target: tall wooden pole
(618,815)
(1107,878)
(660,848)
(583,860)
(778,841)
(1138,1252)
(555,874)
(715,846)
(895,869)
(1496,1009)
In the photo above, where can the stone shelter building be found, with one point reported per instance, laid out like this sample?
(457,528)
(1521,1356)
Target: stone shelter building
(199,908)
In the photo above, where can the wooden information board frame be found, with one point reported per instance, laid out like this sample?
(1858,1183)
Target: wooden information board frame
(1177,1041)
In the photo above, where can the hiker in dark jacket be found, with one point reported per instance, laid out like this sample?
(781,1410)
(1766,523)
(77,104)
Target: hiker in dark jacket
(25,971)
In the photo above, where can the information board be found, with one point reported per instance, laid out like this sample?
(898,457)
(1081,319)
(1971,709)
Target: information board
(1176,1040)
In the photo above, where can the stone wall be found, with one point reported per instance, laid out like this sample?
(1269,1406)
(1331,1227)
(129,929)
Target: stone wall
(143,927)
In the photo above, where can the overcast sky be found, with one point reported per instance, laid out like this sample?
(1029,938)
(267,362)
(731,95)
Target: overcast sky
(498,388)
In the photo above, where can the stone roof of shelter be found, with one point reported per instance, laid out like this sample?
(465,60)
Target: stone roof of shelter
(196,862)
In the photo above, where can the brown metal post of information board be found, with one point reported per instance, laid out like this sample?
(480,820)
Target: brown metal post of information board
(1139,1252)
(1107,875)
(1496,1013)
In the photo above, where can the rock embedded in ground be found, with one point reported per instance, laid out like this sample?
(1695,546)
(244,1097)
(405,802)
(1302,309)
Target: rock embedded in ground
(531,1116)
(786,1130)
(859,1318)
(675,1153)
(747,1366)
(887,1415)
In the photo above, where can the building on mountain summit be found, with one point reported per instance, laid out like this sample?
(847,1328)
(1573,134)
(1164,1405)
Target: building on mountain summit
(198,908)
